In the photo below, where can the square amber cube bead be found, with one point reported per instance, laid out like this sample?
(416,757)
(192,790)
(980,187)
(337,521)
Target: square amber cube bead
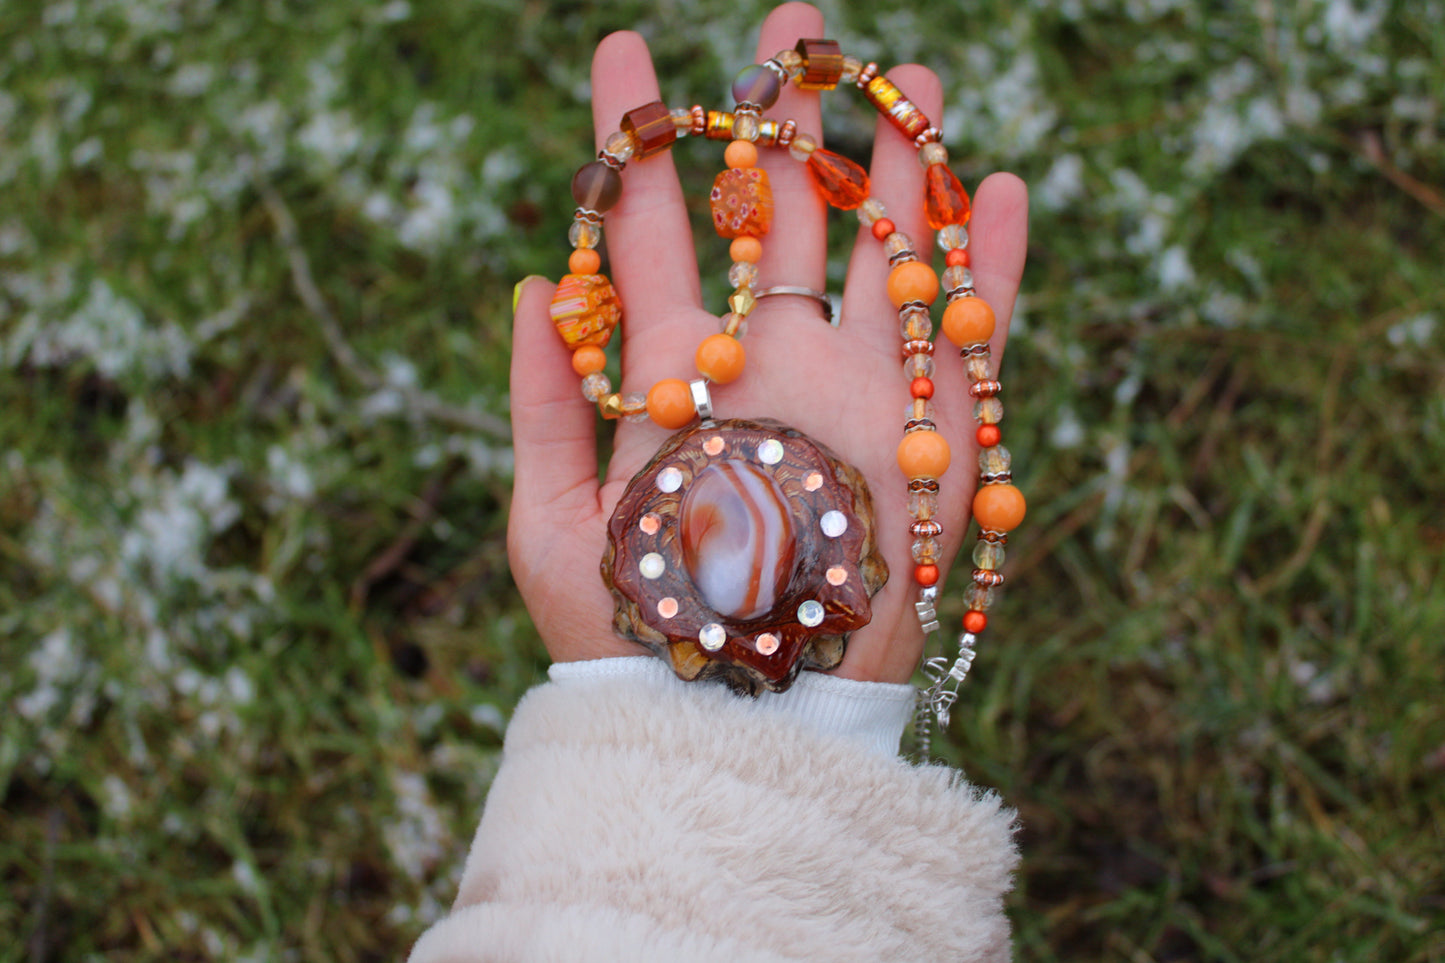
(822,64)
(651,129)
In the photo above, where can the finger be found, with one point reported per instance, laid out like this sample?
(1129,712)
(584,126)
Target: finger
(649,239)
(795,250)
(553,437)
(896,179)
(999,230)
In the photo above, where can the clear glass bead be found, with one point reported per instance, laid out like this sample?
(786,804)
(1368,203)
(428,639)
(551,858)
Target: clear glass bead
(791,60)
(802,147)
(952,237)
(932,153)
(918,366)
(897,243)
(871,211)
(727,320)
(852,67)
(682,120)
(956,277)
(925,550)
(923,505)
(977,596)
(634,406)
(619,145)
(742,274)
(915,324)
(595,385)
(993,460)
(746,126)
(584,234)
(988,411)
(988,555)
(979,367)
(911,411)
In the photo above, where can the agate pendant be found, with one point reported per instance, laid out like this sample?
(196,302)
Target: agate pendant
(743,552)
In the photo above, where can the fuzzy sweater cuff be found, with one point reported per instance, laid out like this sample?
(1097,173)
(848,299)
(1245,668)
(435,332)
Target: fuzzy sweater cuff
(691,824)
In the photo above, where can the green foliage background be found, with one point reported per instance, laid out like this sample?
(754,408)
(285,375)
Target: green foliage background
(259,639)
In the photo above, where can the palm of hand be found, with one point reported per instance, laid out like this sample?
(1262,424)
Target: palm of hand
(843,387)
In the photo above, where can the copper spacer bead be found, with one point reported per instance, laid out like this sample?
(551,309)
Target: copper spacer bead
(926,529)
(866,74)
(699,121)
(986,578)
(985,389)
(917,347)
(929,135)
(787,132)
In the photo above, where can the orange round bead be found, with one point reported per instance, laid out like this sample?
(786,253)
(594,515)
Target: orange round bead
(720,358)
(746,248)
(923,454)
(912,281)
(584,260)
(974,621)
(741,153)
(882,228)
(999,508)
(921,387)
(988,435)
(958,257)
(588,359)
(669,403)
(968,321)
(925,575)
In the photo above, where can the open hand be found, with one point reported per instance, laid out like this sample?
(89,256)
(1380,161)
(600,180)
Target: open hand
(842,386)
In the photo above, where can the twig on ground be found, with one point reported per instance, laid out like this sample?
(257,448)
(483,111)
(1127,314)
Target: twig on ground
(331,330)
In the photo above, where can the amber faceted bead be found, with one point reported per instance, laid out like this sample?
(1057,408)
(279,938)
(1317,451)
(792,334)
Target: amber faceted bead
(999,508)
(596,187)
(968,321)
(650,128)
(585,310)
(742,202)
(945,201)
(923,454)
(842,183)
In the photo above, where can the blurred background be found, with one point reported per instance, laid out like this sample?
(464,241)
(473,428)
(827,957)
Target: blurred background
(258,637)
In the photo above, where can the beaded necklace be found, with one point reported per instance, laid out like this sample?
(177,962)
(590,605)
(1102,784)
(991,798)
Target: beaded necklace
(586,311)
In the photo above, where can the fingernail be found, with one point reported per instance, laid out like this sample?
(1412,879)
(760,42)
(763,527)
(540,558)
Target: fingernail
(517,291)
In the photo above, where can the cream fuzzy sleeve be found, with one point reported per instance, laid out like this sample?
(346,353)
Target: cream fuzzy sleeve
(638,822)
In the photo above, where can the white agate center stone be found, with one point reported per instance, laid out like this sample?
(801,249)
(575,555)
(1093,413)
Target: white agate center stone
(738,543)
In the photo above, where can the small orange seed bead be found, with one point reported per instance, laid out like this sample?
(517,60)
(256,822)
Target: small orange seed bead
(747,248)
(968,321)
(584,260)
(588,359)
(912,281)
(923,454)
(882,228)
(741,153)
(720,358)
(957,257)
(999,508)
(669,403)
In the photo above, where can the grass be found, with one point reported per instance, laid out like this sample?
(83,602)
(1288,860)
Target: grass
(259,638)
